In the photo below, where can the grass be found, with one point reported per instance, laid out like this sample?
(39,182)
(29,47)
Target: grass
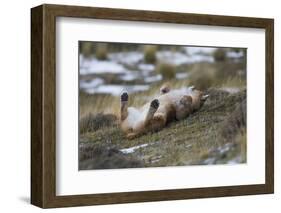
(92,122)
(199,138)
(220,74)
(94,104)
(202,75)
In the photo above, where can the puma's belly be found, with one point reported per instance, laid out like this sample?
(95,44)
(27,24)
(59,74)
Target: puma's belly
(135,116)
(172,97)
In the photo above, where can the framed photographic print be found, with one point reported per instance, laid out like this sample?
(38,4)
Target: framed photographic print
(135,106)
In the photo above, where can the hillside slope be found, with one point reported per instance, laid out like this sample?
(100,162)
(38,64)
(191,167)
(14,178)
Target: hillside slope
(215,134)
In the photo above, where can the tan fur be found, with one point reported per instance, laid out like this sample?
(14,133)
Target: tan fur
(168,106)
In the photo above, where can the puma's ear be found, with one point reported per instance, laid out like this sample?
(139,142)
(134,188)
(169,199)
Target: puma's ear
(165,88)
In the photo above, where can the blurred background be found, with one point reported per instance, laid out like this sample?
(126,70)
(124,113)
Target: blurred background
(110,68)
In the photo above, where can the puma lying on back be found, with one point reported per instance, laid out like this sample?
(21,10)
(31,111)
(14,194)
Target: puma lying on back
(169,105)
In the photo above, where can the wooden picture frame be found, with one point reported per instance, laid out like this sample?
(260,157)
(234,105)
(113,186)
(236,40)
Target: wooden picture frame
(43,105)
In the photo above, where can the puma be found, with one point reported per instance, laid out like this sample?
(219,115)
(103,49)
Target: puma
(169,105)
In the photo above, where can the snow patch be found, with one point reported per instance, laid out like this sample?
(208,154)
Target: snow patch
(94,66)
(154,78)
(133,149)
(116,90)
(127,58)
(84,84)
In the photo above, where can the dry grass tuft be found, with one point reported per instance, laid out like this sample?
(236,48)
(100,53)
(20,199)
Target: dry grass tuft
(150,54)
(219,55)
(86,48)
(92,122)
(168,71)
(101,52)
(222,74)
(202,75)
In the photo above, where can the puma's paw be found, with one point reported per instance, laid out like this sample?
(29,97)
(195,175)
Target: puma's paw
(158,122)
(165,89)
(124,96)
(155,104)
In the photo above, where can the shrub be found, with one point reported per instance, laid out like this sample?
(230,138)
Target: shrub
(220,55)
(92,122)
(202,76)
(168,71)
(150,54)
(101,52)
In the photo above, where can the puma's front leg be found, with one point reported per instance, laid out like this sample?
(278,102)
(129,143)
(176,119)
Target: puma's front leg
(124,106)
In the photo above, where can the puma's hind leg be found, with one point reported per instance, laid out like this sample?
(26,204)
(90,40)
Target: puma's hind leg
(124,106)
(152,109)
(142,127)
(160,118)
